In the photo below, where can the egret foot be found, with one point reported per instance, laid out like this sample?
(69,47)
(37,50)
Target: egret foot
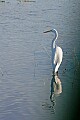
(55,73)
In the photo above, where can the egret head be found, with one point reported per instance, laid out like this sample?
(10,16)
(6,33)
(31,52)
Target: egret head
(53,31)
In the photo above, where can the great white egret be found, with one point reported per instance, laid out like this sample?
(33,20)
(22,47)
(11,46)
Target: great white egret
(57,53)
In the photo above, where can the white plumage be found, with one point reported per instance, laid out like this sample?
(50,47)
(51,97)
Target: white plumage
(57,59)
(57,53)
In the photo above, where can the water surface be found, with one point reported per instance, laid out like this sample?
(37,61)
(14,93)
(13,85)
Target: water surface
(25,66)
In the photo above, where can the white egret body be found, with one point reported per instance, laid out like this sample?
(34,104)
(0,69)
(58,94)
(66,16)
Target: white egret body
(57,53)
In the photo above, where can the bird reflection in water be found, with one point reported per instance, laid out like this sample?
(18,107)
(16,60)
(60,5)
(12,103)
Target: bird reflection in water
(56,87)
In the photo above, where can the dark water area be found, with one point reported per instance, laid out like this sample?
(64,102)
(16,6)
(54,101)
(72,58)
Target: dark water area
(26,81)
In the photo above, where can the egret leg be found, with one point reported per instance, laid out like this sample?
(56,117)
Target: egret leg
(53,67)
(57,67)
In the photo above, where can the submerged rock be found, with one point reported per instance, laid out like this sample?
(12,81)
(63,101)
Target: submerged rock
(2,0)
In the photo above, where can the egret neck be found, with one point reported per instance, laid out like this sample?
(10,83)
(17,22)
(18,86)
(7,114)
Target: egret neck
(53,47)
(54,39)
